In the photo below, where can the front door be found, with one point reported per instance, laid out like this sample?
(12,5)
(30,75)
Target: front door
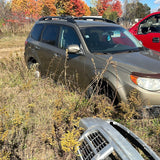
(149,32)
(75,67)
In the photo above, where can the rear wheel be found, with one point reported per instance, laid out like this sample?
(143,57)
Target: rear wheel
(33,65)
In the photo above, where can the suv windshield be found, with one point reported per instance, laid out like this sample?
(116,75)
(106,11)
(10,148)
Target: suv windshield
(109,40)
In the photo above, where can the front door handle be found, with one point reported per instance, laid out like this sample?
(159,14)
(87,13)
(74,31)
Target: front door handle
(155,40)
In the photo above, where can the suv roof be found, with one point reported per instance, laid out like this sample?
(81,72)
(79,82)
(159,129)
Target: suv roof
(80,21)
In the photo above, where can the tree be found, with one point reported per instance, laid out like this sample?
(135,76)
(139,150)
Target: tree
(24,7)
(94,11)
(34,8)
(110,5)
(72,7)
(46,7)
(117,7)
(5,9)
(76,8)
(87,9)
(49,8)
(109,14)
(19,6)
(136,10)
(102,5)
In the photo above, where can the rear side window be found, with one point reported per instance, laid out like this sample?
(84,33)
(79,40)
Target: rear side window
(50,34)
(36,32)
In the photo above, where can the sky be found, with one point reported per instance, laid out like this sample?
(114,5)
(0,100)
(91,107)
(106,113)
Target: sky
(153,4)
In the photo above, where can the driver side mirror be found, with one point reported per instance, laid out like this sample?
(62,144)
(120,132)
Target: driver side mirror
(74,48)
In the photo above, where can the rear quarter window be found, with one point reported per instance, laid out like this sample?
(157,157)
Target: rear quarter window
(36,32)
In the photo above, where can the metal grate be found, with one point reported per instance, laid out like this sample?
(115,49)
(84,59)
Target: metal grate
(97,140)
(86,151)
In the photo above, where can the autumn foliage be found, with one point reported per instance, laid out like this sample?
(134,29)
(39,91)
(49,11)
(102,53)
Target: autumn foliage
(114,5)
(22,10)
(16,13)
(38,8)
(76,8)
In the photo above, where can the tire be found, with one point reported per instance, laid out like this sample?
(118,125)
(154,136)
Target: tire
(35,68)
(103,89)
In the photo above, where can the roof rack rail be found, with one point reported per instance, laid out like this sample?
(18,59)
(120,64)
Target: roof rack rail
(94,19)
(72,19)
(49,18)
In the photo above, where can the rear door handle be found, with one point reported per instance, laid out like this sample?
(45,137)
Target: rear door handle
(56,55)
(37,48)
(155,40)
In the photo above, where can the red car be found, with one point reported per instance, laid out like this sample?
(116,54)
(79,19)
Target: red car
(147,31)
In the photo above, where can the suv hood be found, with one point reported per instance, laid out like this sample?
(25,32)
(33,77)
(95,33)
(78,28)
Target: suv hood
(143,61)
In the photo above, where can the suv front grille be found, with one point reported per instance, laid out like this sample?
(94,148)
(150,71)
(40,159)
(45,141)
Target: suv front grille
(86,151)
(97,140)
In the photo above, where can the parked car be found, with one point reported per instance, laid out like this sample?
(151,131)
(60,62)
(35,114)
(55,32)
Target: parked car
(109,140)
(147,30)
(90,44)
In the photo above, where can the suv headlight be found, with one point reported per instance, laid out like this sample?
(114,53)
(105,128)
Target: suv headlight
(149,82)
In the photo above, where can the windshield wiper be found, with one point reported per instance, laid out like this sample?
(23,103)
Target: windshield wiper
(107,53)
(132,50)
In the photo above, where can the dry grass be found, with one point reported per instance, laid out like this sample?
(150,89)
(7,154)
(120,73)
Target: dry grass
(37,115)
(10,45)
(39,119)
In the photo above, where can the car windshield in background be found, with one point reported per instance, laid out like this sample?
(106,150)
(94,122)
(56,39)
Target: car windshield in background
(109,40)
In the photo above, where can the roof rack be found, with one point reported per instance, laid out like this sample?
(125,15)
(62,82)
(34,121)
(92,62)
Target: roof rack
(49,18)
(72,19)
(94,19)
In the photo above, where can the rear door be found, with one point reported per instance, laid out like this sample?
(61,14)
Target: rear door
(48,51)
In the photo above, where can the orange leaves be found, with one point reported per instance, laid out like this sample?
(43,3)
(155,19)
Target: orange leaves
(72,7)
(117,6)
(87,10)
(114,5)
(34,8)
(25,7)
(50,4)
(18,5)
(37,8)
(78,8)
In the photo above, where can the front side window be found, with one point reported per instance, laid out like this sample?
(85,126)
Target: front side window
(109,40)
(36,32)
(150,25)
(68,36)
(50,34)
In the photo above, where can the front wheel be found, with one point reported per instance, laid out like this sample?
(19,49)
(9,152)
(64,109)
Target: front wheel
(102,88)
